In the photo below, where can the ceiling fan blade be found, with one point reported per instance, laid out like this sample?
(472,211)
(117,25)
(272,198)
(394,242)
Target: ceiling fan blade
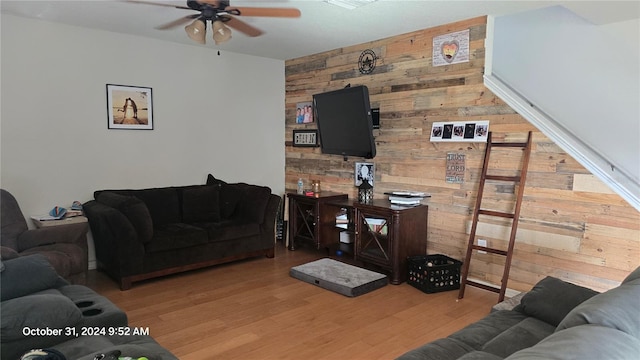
(267,12)
(157,4)
(177,22)
(243,27)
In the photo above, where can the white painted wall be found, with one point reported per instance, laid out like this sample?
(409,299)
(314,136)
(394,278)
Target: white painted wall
(584,78)
(212,114)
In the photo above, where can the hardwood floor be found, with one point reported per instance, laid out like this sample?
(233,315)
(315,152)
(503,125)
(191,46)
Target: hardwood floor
(253,309)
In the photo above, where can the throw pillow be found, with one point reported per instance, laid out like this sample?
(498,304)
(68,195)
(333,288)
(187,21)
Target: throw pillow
(201,204)
(211,180)
(551,299)
(134,209)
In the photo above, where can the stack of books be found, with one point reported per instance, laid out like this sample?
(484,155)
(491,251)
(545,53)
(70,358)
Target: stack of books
(407,198)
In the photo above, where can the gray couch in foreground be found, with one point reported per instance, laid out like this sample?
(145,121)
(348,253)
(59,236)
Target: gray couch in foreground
(555,320)
(39,309)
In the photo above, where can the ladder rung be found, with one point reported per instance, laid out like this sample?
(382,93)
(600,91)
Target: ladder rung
(510,144)
(483,286)
(496,213)
(503,178)
(491,250)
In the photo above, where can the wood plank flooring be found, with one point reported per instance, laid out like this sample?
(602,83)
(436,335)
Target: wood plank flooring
(253,309)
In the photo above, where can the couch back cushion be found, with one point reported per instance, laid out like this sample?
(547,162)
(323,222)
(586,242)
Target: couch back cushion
(163,204)
(26,275)
(635,274)
(551,299)
(617,308)
(12,221)
(254,202)
(582,342)
(134,209)
(201,203)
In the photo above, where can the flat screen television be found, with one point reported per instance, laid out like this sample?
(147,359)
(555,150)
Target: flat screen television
(344,122)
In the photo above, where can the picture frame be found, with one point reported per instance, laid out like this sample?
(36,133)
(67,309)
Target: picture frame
(460,131)
(304,112)
(364,171)
(129,107)
(305,138)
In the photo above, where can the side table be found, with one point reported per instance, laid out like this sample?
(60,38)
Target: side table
(64,221)
(386,234)
(309,220)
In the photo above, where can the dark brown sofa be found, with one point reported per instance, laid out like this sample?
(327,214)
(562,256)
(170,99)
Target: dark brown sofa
(147,233)
(64,246)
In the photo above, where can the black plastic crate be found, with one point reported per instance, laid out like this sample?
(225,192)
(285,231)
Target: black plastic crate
(433,273)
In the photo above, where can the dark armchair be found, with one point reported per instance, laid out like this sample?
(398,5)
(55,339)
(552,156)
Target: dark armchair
(64,246)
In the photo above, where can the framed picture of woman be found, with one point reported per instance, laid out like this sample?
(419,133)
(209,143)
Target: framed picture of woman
(364,172)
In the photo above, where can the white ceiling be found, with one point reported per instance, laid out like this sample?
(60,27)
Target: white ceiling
(321,27)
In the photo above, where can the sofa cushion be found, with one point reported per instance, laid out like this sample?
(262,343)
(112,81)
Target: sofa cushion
(134,209)
(551,299)
(253,202)
(441,349)
(201,204)
(26,275)
(583,342)
(480,355)
(477,334)
(635,274)
(228,230)
(616,308)
(524,334)
(230,197)
(176,236)
(35,312)
(163,204)
(7,253)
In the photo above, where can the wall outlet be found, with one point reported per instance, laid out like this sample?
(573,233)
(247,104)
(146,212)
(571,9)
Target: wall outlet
(482,242)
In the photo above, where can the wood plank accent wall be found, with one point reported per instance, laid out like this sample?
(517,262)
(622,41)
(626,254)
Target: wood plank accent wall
(571,225)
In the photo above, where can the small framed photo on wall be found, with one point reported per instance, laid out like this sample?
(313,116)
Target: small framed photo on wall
(129,107)
(304,112)
(364,172)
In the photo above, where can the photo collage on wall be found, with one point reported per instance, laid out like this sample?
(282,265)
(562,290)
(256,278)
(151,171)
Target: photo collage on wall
(460,131)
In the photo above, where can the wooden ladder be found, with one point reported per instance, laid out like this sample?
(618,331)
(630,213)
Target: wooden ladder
(520,179)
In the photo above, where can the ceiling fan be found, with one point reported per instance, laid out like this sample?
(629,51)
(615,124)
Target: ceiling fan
(219,13)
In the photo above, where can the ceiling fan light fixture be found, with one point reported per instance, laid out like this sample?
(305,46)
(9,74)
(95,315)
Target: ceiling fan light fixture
(197,31)
(221,33)
(350,4)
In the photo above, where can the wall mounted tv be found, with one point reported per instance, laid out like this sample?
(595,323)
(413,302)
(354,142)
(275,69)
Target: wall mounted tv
(344,122)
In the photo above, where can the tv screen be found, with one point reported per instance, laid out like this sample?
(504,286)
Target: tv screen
(344,122)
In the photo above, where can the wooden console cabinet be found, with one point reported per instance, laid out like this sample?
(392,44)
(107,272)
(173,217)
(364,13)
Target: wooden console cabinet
(312,218)
(386,234)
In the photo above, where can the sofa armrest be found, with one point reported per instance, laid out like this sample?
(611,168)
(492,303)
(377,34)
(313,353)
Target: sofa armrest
(268,227)
(252,202)
(118,248)
(71,233)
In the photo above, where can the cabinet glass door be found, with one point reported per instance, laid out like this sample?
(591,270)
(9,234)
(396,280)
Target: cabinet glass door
(374,241)
(305,221)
